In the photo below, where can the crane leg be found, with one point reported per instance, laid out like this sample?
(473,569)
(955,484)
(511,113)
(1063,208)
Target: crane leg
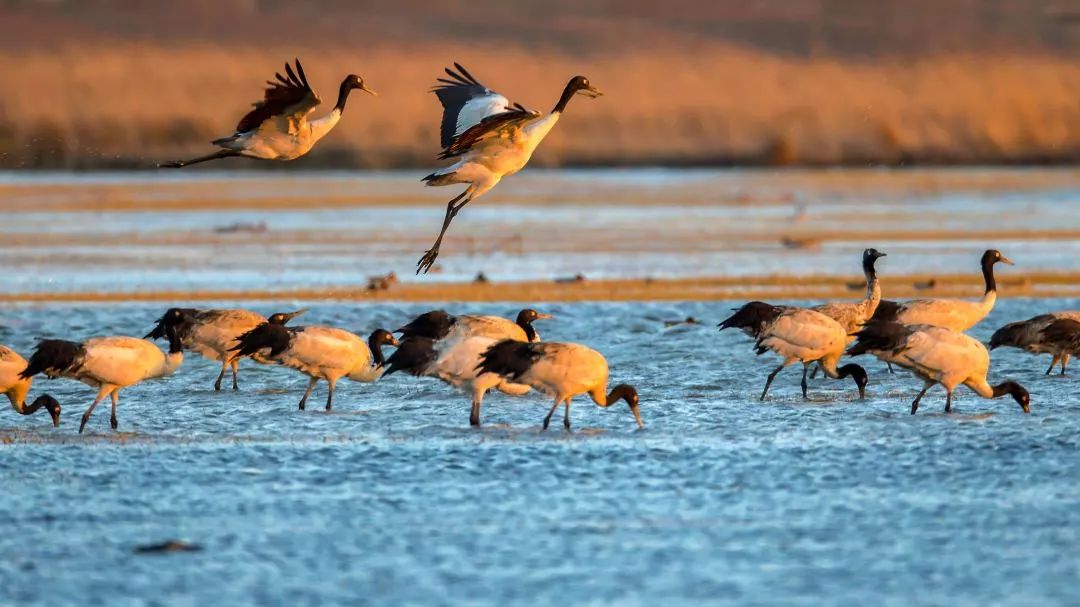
(948,402)
(102,392)
(452,208)
(474,415)
(1064,362)
(768,382)
(889,365)
(235,364)
(176,164)
(804,368)
(1053,363)
(307,393)
(113,421)
(915,403)
(221,376)
(547,420)
(566,416)
(330,396)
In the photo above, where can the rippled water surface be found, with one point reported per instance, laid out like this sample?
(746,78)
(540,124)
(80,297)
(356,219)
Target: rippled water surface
(393,499)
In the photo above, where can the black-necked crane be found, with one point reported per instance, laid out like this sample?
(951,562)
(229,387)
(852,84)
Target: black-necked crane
(16,387)
(454,362)
(488,138)
(109,363)
(937,356)
(799,335)
(853,315)
(278,128)
(212,334)
(441,326)
(955,314)
(323,353)
(562,370)
(1028,335)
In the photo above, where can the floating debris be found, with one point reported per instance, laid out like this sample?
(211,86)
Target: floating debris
(168,546)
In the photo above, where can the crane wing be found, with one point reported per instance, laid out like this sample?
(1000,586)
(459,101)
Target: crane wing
(290,100)
(468,104)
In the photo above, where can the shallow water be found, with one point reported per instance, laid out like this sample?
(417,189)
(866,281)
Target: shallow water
(155,231)
(393,499)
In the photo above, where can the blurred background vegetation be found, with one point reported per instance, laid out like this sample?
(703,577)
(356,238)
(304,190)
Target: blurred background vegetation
(94,84)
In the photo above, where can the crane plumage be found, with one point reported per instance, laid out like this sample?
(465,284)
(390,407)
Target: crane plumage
(798,335)
(1028,335)
(955,314)
(936,355)
(16,387)
(852,315)
(439,325)
(212,333)
(455,363)
(277,127)
(325,353)
(489,137)
(562,370)
(109,363)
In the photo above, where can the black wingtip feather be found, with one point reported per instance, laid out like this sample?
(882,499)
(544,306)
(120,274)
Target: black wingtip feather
(265,336)
(52,356)
(508,358)
(880,336)
(413,355)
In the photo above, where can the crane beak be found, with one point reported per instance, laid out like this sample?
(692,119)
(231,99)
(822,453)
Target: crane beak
(542,316)
(592,92)
(363,87)
(1006,260)
(292,315)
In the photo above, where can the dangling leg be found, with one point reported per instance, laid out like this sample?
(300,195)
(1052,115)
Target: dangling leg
(768,382)
(104,390)
(566,416)
(915,403)
(176,164)
(221,376)
(310,386)
(547,420)
(452,208)
(805,366)
(235,364)
(115,394)
(1053,363)
(330,396)
(948,402)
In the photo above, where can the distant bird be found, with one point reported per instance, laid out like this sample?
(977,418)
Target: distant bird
(439,325)
(852,315)
(799,335)
(562,370)
(937,356)
(454,362)
(1029,336)
(16,387)
(277,128)
(212,333)
(925,285)
(109,363)
(488,136)
(319,352)
(955,314)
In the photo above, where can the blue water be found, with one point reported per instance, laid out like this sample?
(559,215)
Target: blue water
(393,499)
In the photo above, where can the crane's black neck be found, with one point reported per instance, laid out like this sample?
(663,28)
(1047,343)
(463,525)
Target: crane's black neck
(343,95)
(868,268)
(530,332)
(988,275)
(567,93)
(375,342)
(175,345)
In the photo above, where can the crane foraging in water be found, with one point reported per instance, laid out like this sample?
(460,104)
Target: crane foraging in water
(489,138)
(16,387)
(1032,336)
(442,326)
(109,363)
(212,334)
(277,128)
(936,355)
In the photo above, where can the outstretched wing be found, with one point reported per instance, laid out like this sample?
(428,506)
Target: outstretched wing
(467,104)
(290,99)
